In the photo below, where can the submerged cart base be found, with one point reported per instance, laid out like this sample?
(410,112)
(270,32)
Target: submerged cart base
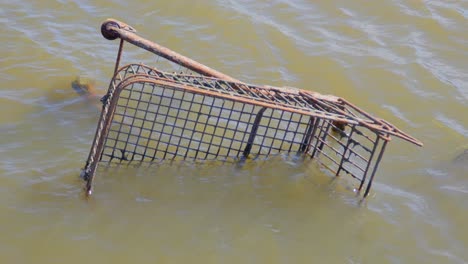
(151,114)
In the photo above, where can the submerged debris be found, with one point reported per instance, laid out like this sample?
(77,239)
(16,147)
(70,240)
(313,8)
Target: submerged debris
(197,113)
(462,159)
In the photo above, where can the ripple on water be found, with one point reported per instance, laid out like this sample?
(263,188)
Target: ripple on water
(453,124)
(417,203)
(418,47)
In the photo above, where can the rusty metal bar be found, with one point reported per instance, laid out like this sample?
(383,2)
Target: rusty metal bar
(369,161)
(320,124)
(324,137)
(348,142)
(253,132)
(308,136)
(112,29)
(382,150)
(389,128)
(119,56)
(98,143)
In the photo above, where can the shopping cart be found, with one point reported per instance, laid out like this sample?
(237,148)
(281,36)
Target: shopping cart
(179,109)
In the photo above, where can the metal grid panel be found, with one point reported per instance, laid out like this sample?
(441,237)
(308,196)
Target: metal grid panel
(154,122)
(198,113)
(152,118)
(321,106)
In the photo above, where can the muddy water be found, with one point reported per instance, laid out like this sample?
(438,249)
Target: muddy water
(405,61)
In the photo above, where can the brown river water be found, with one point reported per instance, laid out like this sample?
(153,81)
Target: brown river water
(403,60)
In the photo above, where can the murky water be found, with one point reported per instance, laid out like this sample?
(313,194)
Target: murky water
(403,60)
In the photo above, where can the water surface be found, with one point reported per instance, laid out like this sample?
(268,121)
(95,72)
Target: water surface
(403,60)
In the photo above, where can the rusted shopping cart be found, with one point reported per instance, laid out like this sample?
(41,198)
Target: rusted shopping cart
(179,109)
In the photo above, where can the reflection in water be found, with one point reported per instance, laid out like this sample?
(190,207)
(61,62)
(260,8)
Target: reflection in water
(462,159)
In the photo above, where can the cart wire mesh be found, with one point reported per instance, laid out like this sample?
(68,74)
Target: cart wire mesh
(197,113)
